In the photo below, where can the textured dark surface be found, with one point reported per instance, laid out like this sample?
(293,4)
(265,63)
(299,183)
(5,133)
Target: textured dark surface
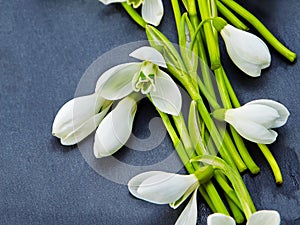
(45,47)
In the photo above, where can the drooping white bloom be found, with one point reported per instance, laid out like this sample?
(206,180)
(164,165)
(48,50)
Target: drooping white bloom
(254,121)
(263,217)
(168,188)
(79,117)
(152,10)
(248,52)
(144,77)
(115,129)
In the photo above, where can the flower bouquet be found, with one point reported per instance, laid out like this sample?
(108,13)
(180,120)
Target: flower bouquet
(213,155)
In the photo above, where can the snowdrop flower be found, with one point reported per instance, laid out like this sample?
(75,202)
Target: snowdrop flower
(263,217)
(248,52)
(144,77)
(254,120)
(79,117)
(173,189)
(168,188)
(152,10)
(115,128)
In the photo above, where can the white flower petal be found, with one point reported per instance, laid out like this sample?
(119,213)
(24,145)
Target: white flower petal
(246,50)
(189,214)
(116,82)
(85,129)
(153,11)
(261,114)
(189,191)
(150,54)
(264,217)
(160,187)
(74,113)
(136,181)
(106,2)
(280,108)
(115,129)
(220,219)
(254,132)
(166,97)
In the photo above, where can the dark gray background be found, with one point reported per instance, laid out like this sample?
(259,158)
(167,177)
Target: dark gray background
(45,47)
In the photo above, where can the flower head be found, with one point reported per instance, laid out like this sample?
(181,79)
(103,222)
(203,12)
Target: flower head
(115,129)
(262,217)
(168,188)
(144,77)
(254,121)
(248,52)
(79,117)
(152,10)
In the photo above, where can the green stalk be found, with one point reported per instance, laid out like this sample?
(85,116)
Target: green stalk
(221,179)
(185,137)
(214,132)
(134,15)
(209,186)
(212,193)
(177,143)
(272,162)
(192,11)
(212,45)
(177,14)
(261,28)
(231,17)
(237,213)
(206,198)
(215,198)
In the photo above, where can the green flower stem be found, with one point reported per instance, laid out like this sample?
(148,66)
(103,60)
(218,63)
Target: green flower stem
(212,44)
(243,152)
(222,181)
(211,100)
(192,11)
(231,17)
(190,57)
(213,195)
(177,14)
(237,213)
(134,15)
(254,169)
(210,144)
(185,137)
(231,91)
(234,153)
(261,28)
(177,143)
(214,132)
(272,162)
(264,148)
(206,198)
(215,198)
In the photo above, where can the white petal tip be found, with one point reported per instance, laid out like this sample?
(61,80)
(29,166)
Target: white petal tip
(220,219)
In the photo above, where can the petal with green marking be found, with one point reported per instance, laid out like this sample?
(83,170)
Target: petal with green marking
(166,97)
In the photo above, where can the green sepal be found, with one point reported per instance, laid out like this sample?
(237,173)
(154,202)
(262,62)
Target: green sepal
(219,23)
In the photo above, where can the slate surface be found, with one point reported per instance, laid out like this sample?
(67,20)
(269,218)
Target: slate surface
(45,47)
